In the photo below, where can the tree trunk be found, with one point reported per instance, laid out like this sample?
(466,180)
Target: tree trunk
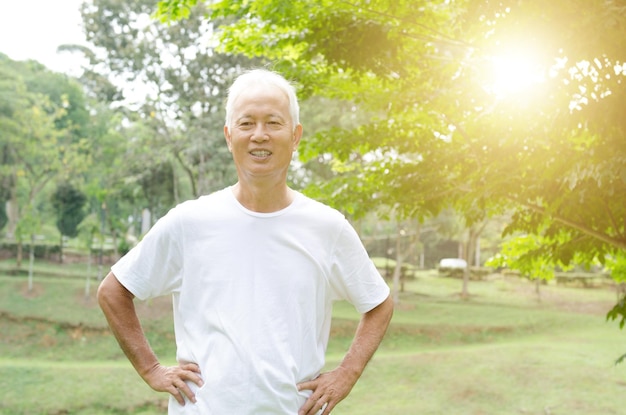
(61,250)
(397,271)
(12,210)
(102,233)
(88,280)
(396,282)
(175,187)
(18,259)
(403,251)
(31,262)
(467,255)
(466,276)
(471,248)
(116,251)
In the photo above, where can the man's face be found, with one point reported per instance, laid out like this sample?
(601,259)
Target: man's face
(262,137)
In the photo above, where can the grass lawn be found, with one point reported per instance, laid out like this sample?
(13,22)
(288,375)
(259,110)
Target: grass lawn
(502,351)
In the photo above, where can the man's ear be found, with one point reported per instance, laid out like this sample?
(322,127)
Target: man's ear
(297,136)
(227,137)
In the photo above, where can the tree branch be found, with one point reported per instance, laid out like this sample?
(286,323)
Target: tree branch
(613,221)
(616,242)
(439,35)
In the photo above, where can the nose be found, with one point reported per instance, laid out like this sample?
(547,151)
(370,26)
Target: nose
(259,133)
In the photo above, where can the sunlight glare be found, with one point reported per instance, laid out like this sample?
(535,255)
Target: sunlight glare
(514,74)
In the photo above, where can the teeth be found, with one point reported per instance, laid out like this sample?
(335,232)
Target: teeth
(260,153)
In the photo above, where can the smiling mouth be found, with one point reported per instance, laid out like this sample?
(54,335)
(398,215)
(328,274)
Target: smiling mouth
(260,153)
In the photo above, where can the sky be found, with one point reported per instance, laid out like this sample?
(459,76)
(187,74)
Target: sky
(33,29)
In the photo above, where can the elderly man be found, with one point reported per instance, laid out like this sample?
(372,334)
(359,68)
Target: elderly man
(253,271)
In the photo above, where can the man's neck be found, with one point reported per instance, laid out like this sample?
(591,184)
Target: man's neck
(263,199)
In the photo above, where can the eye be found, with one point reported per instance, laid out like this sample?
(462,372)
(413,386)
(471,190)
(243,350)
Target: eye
(274,124)
(245,124)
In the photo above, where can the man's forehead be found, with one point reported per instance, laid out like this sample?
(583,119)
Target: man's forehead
(270,102)
(262,93)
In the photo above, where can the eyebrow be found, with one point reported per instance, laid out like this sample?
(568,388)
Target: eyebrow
(244,116)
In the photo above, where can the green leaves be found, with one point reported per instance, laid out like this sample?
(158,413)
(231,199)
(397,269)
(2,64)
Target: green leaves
(436,136)
(347,40)
(618,312)
(617,264)
(171,10)
(68,203)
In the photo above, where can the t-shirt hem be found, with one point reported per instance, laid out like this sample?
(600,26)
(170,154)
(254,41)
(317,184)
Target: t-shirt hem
(374,303)
(131,282)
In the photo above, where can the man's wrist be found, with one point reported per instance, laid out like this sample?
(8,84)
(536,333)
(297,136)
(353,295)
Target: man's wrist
(351,371)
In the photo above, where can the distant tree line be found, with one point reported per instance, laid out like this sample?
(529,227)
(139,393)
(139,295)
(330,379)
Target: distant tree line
(403,119)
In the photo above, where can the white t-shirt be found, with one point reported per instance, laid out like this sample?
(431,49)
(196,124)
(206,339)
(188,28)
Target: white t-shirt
(252,295)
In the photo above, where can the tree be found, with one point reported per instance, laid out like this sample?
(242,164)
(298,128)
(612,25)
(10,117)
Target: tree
(13,101)
(36,153)
(3,212)
(37,143)
(183,82)
(68,203)
(28,225)
(556,156)
(88,230)
(442,134)
(406,239)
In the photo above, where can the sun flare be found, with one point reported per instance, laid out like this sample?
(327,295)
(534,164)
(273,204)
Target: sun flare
(513,74)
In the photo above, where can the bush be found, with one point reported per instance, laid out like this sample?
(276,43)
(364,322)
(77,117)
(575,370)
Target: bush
(476,273)
(42,250)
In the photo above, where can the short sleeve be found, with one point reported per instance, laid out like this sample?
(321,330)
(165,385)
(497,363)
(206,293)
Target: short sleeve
(154,267)
(354,277)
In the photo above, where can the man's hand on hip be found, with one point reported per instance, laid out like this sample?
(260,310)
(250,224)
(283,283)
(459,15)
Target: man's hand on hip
(329,389)
(173,379)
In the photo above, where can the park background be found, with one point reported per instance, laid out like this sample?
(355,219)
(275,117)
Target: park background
(492,132)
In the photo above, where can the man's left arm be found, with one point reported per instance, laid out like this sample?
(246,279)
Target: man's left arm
(332,387)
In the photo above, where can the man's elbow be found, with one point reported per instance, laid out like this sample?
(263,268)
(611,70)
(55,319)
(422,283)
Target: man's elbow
(388,307)
(104,291)
(383,311)
(111,289)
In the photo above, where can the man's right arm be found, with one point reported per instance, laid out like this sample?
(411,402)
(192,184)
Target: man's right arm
(117,304)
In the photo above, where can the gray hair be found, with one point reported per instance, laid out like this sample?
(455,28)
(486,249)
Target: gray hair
(262,77)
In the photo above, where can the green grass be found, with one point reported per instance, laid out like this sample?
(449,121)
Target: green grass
(502,351)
